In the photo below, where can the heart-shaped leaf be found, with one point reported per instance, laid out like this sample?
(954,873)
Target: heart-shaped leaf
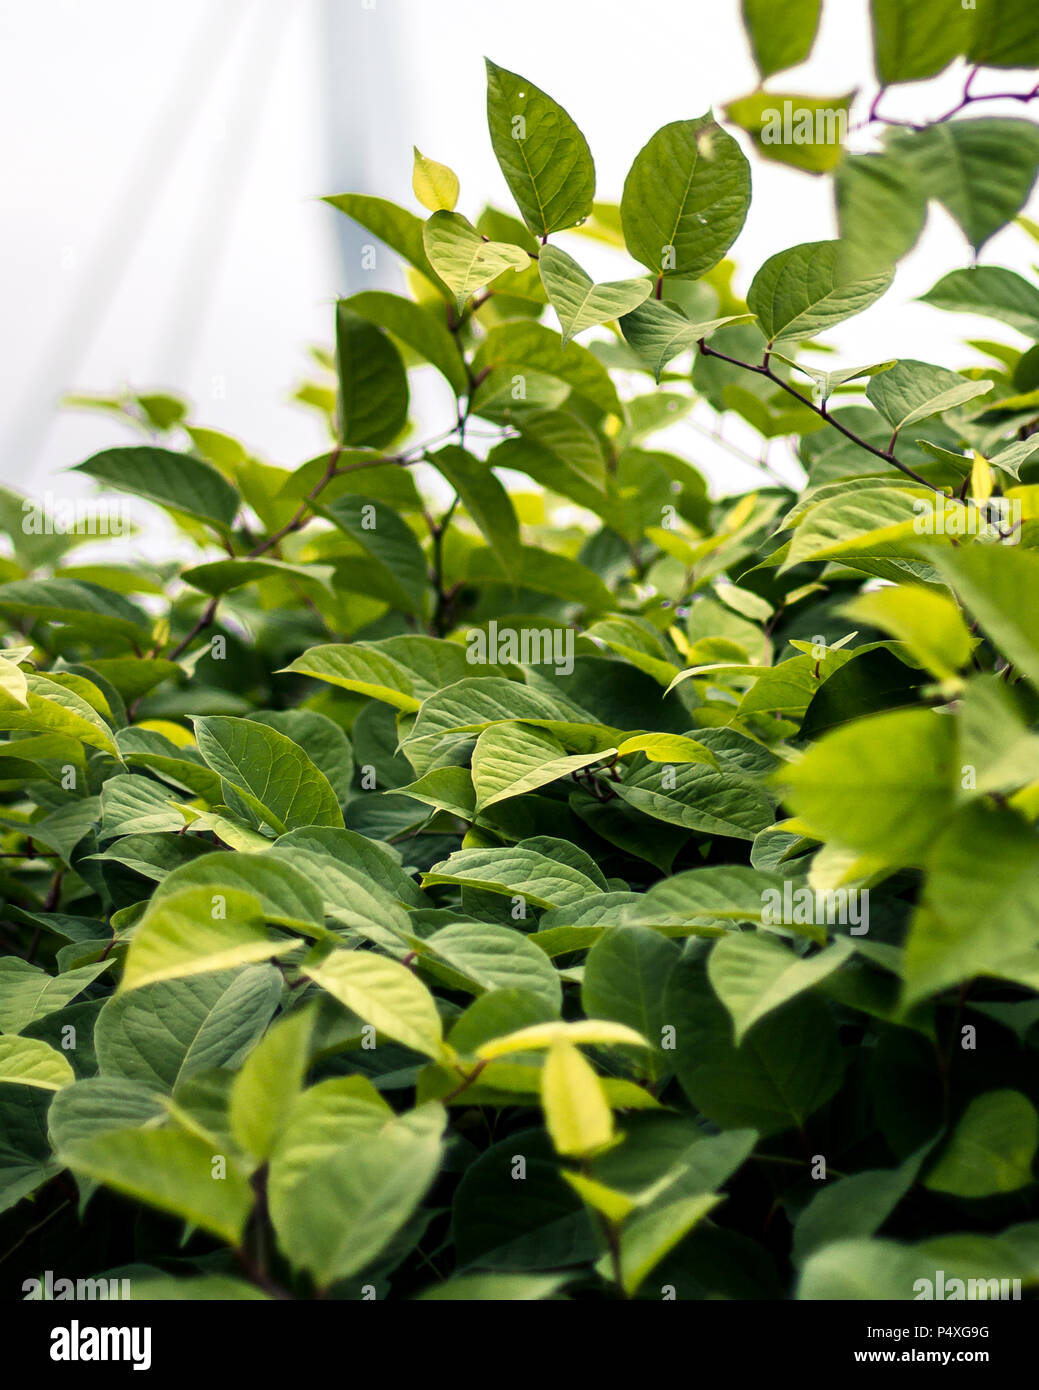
(463,259)
(578,300)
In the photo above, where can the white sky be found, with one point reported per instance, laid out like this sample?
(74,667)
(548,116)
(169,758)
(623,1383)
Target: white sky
(163,160)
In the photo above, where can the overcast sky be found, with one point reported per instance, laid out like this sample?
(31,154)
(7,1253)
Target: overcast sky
(163,161)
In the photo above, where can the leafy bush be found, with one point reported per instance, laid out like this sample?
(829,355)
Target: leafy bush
(557,878)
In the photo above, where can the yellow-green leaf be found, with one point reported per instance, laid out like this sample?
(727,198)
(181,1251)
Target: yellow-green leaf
(435,185)
(593,1031)
(31,1062)
(577,1113)
(384,994)
(198,930)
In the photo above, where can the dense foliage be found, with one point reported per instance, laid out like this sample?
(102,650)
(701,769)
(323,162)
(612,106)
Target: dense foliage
(496,868)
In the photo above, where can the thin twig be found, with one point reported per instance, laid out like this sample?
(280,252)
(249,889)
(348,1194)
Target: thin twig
(763,369)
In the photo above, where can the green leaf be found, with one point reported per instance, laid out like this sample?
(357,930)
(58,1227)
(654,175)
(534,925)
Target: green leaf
(496,1013)
(561,454)
(996,743)
(625,979)
(777,1077)
(272,774)
(883,785)
(864,1269)
(30,1062)
(526,870)
(434,185)
(577,1113)
(685,198)
(827,382)
(753,974)
(133,804)
(507,397)
(321,739)
(171,1170)
(179,481)
(398,228)
(286,895)
(614,1205)
(658,331)
(537,1224)
(352,898)
(77,602)
(510,759)
(445,789)
(95,1104)
(649,1237)
(222,576)
(26,1160)
(981,171)
(950,1267)
(265,1090)
(133,677)
(484,498)
(857,1205)
(801,292)
(881,208)
(522,344)
(421,327)
(494,958)
(380,863)
(166,1032)
(1005,35)
(384,994)
(579,302)
(373,383)
(219,448)
(992,291)
(698,797)
(543,155)
(929,623)
(912,391)
(195,931)
(155,856)
(64,828)
(989,580)
(335,1210)
(863,523)
(972,923)
(791,128)
(911,42)
(498,1288)
(471,705)
(361,668)
(389,545)
(461,257)
(992,1149)
(780,38)
(401,671)
(13,687)
(53,709)
(28,993)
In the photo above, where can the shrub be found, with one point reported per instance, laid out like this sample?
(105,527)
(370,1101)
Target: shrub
(555,880)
